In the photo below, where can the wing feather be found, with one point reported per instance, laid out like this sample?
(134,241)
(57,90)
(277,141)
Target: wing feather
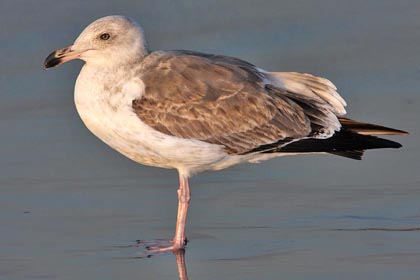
(311,86)
(220,100)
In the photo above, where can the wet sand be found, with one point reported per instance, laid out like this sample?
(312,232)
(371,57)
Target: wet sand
(70,206)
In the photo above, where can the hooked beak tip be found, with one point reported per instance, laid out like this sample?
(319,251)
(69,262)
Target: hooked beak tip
(52,60)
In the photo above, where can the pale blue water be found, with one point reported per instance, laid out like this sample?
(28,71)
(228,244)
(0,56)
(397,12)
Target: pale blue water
(69,204)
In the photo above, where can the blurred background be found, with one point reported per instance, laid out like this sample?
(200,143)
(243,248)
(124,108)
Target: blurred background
(69,204)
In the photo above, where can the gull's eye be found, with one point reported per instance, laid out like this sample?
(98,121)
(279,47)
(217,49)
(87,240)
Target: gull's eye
(105,36)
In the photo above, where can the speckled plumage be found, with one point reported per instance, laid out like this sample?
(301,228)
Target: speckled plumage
(230,102)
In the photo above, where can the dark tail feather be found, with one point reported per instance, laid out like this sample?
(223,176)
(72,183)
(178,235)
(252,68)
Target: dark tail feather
(351,141)
(343,143)
(369,129)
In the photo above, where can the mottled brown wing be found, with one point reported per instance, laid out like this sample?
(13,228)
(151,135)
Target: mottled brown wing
(216,99)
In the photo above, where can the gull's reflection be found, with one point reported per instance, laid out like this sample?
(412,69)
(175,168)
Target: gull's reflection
(148,251)
(180,262)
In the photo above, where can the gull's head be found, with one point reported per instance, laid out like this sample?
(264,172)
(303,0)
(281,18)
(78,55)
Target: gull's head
(108,41)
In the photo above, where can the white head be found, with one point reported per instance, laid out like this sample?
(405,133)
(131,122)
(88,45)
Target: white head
(108,41)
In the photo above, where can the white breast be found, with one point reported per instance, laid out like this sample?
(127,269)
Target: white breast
(106,109)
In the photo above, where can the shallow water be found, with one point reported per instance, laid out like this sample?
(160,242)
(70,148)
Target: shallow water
(70,206)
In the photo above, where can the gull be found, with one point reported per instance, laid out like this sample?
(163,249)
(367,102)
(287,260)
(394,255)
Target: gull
(198,112)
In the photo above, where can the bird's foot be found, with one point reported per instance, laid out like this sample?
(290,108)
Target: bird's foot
(161,246)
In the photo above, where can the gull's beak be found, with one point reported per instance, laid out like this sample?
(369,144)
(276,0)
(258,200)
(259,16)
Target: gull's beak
(60,56)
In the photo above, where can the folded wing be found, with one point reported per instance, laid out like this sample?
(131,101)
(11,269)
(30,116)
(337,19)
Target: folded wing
(229,102)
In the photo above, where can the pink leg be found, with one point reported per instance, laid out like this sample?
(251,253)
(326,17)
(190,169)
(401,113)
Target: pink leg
(183,203)
(179,241)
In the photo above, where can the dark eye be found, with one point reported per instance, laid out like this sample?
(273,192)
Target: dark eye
(105,36)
